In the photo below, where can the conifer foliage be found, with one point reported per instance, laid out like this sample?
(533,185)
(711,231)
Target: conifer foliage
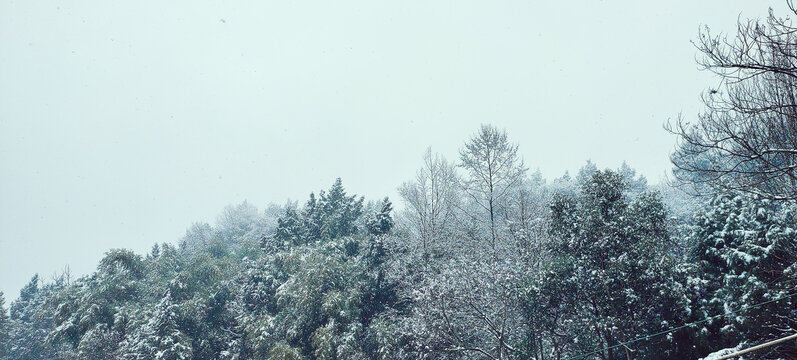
(611,267)
(746,253)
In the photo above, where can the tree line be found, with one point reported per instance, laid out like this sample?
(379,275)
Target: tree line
(485,260)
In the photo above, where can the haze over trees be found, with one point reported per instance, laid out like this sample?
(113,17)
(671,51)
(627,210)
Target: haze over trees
(486,260)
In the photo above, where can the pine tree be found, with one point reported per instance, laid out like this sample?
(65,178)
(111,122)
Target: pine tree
(312,217)
(381,222)
(339,212)
(30,323)
(5,328)
(585,173)
(26,298)
(290,229)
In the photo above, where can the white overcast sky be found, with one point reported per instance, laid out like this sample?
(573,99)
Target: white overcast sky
(121,123)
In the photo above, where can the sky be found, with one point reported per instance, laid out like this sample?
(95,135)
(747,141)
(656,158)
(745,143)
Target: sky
(121,123)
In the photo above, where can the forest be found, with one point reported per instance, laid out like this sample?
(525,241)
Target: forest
(484,258)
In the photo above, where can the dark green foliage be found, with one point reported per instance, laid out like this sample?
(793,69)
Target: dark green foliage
(291,230)
(27,296)
(339,212)
(333,216)
(311,218)
(745,253)
(611,276)
(219,331)
(381,222)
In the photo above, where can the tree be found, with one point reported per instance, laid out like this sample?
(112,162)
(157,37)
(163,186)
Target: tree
(636,184)
(162,337)
(466,306)
(30,323)
(746,138)
(494,170)
(217,334)
(381,222)
(86,315)
(197,236)
(290,229)
(98,342)
(339,212)
(585,173)
(611,276)
(237,224)
(527,218)
(745,253)
(5,328)
(334,215)
(430,199)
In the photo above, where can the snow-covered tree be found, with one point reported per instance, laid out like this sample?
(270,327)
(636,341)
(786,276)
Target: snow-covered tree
(611,276)
(239,224)
(161,338)
(31,320)
(291,229)
(339,212)
(334,215)
(381,222)
(5,328)
(431,199)
(494,171)
(86,313)
(745,253)
(636,184)
(585,173)
(746,138)
(197,236)
(216,332)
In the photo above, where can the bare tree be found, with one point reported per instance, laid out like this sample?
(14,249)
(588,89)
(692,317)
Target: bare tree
(526,217)
(746,138)
(494,170)
(466,306)
(430,199)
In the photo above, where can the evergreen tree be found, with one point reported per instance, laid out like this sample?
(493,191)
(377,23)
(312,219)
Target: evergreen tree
(5,328)
(218,334)
(27,297)
(381,222)
(311,216)
(745,253)
(339,212)
(290,229)
(636,184)
(611,273)
(162,338)
(30,323)
(585,173)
